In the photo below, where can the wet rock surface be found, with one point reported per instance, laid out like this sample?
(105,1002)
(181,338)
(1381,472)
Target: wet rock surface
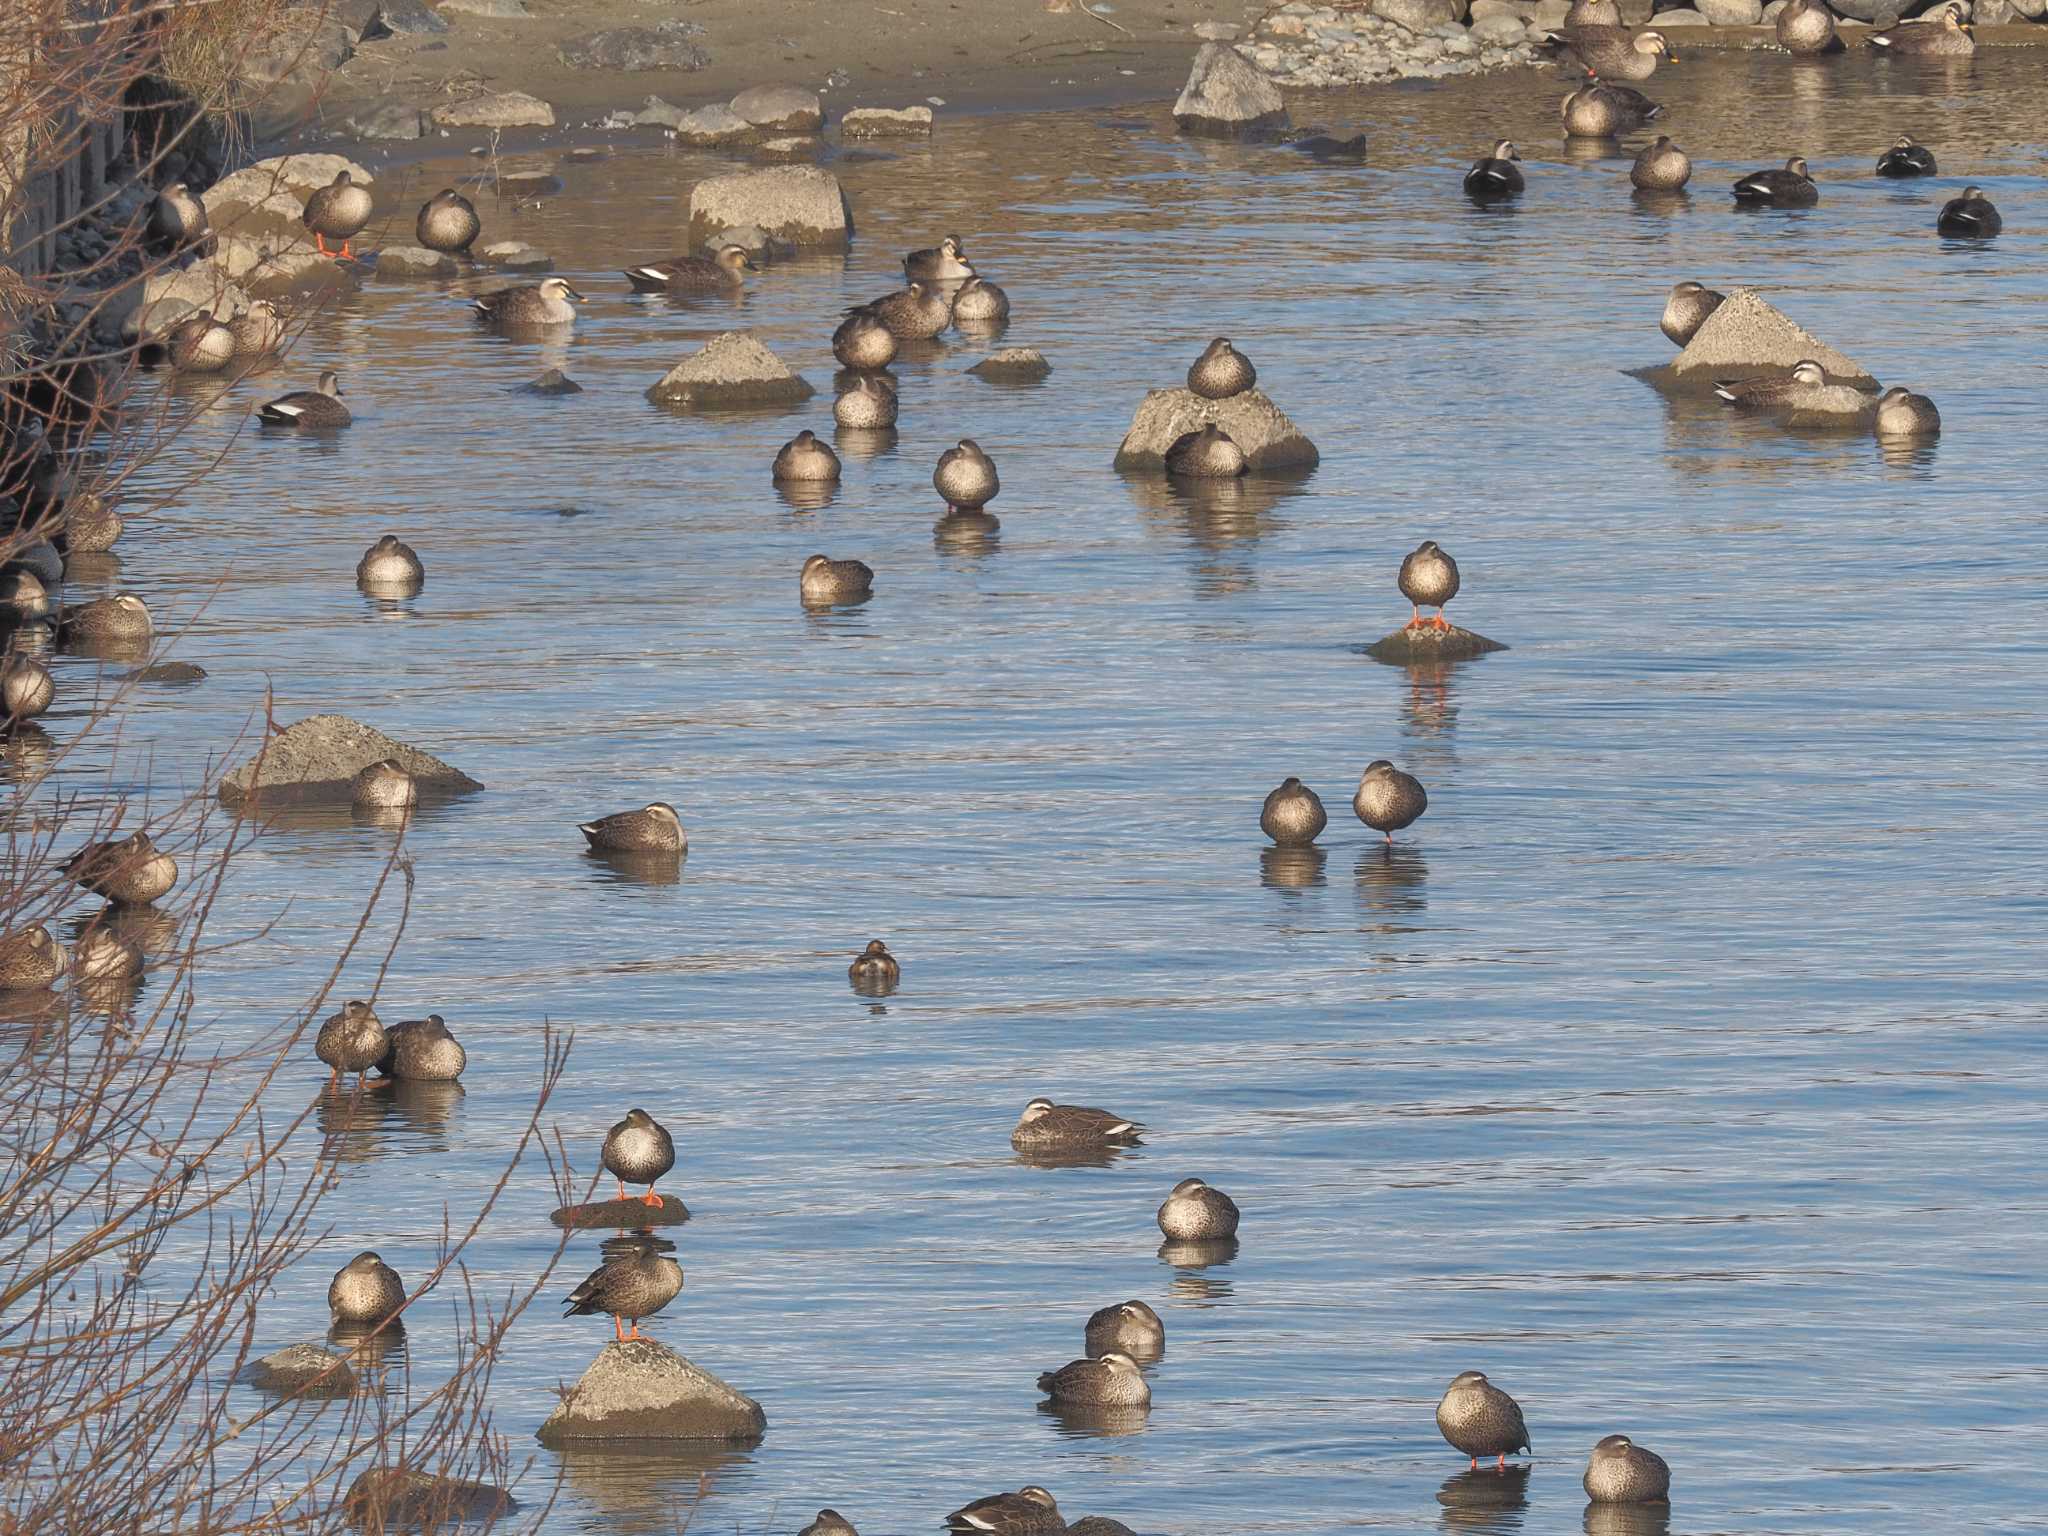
(780,108)
(630,1212)
(1258,426)
(642,1390)
(396,1498)
(319,757)
(414,261)
(798,203)
(504,109)
(1227,97)
(1747,335)
(1301,44)
(734,370)
(1426,644)
(886,123)
(1013,364)
(302,1369)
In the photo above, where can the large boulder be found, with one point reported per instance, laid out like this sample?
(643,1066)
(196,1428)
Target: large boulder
(733,370)
(393,120)
(302,1369)
(318,759)
(1731,13)
(280,216)
(400,1498)
(1747,335)
(637,1389)
(300,175)
(300,46)
(506,109)
(893,122)
(780,108)
(1227,97)
(798,203)
(665,45)
(414,261)
(1254,422)
(1421,16)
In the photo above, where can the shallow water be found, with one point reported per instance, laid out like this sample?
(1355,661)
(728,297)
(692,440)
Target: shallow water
(1678,1069)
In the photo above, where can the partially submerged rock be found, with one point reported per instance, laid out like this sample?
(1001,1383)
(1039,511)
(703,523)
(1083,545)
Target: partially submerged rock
(704,128)
(168,297)
(886,123)
(732,370)
(318,759)
(1228,97)
(1746,336)
(505,109)
(638,1389)
(1426,644)
(630,1212)
(780,108)
(553,382)
(1253,421)
(396,1498)
(1013,365)
(515,256)
(302,1369)
(799,203)
(414,261)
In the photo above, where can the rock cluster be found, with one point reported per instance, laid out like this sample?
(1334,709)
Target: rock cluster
(1305,45)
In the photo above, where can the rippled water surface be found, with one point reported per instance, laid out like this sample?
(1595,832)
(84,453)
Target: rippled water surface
(1681,1069)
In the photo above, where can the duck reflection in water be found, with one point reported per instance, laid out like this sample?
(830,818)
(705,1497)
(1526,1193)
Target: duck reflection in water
(1197,1252)
(1392,879)
(1628,1519)
(1429,707)
(641,866)
(385,1116)
(1094,1422)
(806,495)
(1292,869)
(1490,1499)
(645,1485)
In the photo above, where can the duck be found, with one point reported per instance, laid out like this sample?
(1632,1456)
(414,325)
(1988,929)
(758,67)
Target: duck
(863,341)
(31,959)
(654,828)
(1901,413)
(1193,1212)
(1599,110)
(945,262)
(966,477)
(448,223)
(829,1523)
(1593,13)
(1321,146)
(177,217)
(1046,1126)
(805,458)
(1112,1380)
(551,301)
(1772,390)
(1030,1511)
(391,562)
(26,689)
(725,269)
(353,1040)
(916,313)
(1613,53)
(869,406)
(131,871)
(1948,36)
(980,302)
(1686,308)
(636,1284)
(1805,26)
(258,330)
(1221,371)
(310,410)
(365,1290)
(1388,799)
(1479,1419)
(39,557)
(823,582)
(1496,174)
(1906,158)
(124,617)
(1293,815)
(874,968)
(1622,1472)
(1661,167)
(199,343)
(1791,187)
(1428,575)
(103,955)
(339,211)
(1209,454)
(640,1149)
(88,525)
(23,598)
(384,786)
(1130,1327)
(1969,217)
(423,1051)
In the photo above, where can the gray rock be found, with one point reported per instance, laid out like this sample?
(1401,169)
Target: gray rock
(641,1390)
(506,109)
(295,268)
(1770,12)
(494,10)
(165,298)
(409,17)
(780,108)
(1682,18)
(515,256)
(891,122)
(398,1498)
(414,261)
(750,240)
(1013,365)
(1227,97)
(708,126)
(1498,29)
(1549,14)
(665,45)
(1521,10)
(1994,13)
(798,203)
(318,759)
(278,217)
(1747,335)
(304,49)
(1217,31)
(2033,10)
(732,370)
(801,147)
(1419,647)
(302,1368)
(1419,16)
(256,186)
(1254,422)
(553,382)
(389,122)
(1731,13)
(629,1212)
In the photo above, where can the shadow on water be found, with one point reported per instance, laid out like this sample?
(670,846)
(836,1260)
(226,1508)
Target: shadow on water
(1484,1500)
(1198,1253)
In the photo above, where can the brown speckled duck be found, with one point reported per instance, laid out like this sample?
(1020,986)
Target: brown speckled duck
(311,410)
(1388,799)
(863,341)
(1428,576)
(551,301)
(1932,37)
(424,1051)
(966,477)
(1601,109)
(258,330)
(655,828)
(874,968)
(1479,1419)
(1221,371)
(1030,1511)
(1686,309)
(1193,1212)
(31,959)
(1901,413)
(130,870)
(980,302)
(353,1040)
(829,1523)
(1661,167)
(824,582)
(1108,1381)
(636,1284)
(26,688)
(1208,454)
(447,222)
(1293,815)
(1613,53)
(177,216)
(916,313)
(1805,26)
(384,786)
(868,406)
(339,211)
(1130,1326)
(200,344)
(365,1290)
(722,272)
(804,458)
(391,562)
(1622,1472)
(638,1150)
(1046,1126)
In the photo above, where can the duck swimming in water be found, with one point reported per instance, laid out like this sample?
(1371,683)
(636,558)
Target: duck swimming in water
(1686,309)
(980,302)
(1497,174)
(131,871)
(1209,454)
(384,786)
(823,582)
(638,1149)
(1479,1419)
(1901,413)
(869,406)
(726,270)
(1388,799)
(1905,158)
(1947,36)
(1293,815)
(1108,1381)
(1773,390)
(1046,1126)
(1622,1472)
(26,688)
(1791,187)
(874,967)
(916,313)
(804,458)
(1601,110)
(1428,576)
(551,301)
(966,477)
(1030,1511)
(945,262)
(1661,167)
(863,341)
(1969,217)
(1805,26)
(310,410)
(655,828)
(424,1051)
(1131,1327)
(365,1290)
(391,562)
(353,1040)
(1193,1212)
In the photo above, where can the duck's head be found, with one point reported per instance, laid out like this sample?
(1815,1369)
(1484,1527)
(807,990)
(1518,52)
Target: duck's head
(1809,373)
(804,439)
(1037,1109)
(176,190)
(814,564)
(1188,1187)
(1797,166)
(1220,347)
(1120,1364)
(639,1117)
(128,602)
(1898,394)
(1504,149)
(1655,42)
(1466,1379)
(734,259)
(341,179)
(330,383)
(366,1259)
(1037,1495)
(661,810)
(970,449)
(1290,784)
(952,246)
(876,950)
(1972,192)
(1905,141)
(917,288)
(1686,288)
(1378,768)
(1613,1445)
(1140,1311)
(1428,547)
(558,289)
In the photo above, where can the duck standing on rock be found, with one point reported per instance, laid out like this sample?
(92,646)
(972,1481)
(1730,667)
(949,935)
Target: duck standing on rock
(1790,187)
(1906,158)
(1388,799)
(1686,309)
(1479,1419)
(551,301)
(448,223)
(1293,815)
(340,210)
(1969,217)
(634,1285)
(1497,174)
(639,1149)
(966,477)
(1221,371)
(1428,575)
(177,217)
(1661,167)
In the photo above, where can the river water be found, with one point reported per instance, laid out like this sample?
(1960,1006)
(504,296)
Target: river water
(1678,1069)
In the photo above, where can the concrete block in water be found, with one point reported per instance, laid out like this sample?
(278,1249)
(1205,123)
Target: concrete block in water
(799,203)
(1228,97)
(1747,335)
(628,1213)
(318,759)
(640,1390)
(1254,422)
(1420,647)
(732,370)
